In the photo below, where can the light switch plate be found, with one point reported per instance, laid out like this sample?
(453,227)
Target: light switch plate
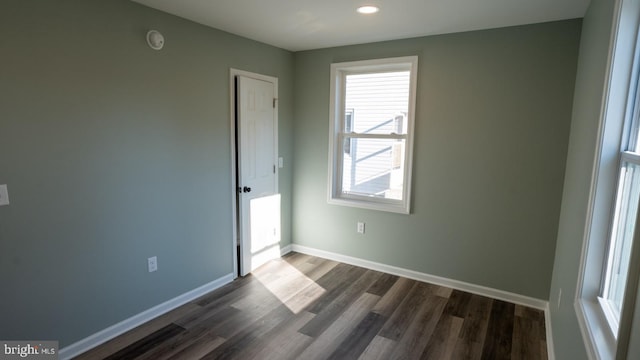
(4,195)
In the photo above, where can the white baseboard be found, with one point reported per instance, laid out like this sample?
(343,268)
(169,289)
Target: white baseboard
(437,280)
(551,353)
(285,250)
(109,333)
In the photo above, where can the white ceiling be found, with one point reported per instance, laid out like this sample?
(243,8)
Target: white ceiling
(304,24)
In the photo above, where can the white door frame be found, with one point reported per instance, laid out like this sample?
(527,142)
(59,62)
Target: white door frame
(234,171)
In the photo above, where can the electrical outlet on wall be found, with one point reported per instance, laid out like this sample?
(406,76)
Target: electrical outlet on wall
(152,263)
(559,297)
(4,195)
(360,227)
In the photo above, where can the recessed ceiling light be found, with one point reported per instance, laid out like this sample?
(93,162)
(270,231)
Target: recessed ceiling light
(368,9)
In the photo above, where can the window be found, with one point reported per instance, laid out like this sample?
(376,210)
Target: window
(372,112)
(622,230)
(604,297)
(622,227)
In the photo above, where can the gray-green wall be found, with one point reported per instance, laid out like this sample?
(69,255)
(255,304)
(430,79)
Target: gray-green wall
(114,152)
(592,68)
(492,127)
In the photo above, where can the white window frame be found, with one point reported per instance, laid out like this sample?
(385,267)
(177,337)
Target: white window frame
(336,103)
(604,336)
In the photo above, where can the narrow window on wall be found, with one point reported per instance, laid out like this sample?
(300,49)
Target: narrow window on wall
(623,225)
(372,121)
(605,298)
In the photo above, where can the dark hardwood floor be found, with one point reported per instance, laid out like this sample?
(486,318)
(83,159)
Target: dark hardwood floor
(303,307)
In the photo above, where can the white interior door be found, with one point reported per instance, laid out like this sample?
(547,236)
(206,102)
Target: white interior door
(258,198)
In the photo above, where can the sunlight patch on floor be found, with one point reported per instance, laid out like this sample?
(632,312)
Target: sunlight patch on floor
(292,287)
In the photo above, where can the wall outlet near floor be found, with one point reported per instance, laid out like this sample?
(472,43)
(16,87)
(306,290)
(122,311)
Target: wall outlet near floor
(559,297)
(152,263)
(4,195)
(360,227)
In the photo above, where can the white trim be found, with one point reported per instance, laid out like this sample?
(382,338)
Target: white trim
(610,314)
(599,342)
(111,332)
(551,353)
(432,279)
(596,158)
(285,250)
(630,157)
(595,329)
(336,107)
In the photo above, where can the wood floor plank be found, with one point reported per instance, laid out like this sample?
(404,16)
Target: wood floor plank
(458,303)
(148,342)
(406,311)
(250,288)
(287,284)
(198,348)
(282,342)
(235,345)
(329,340)
(415,339)
(304,298)
(335,282)
(474,329)
(321,269)
(497,344)
(335,276)
(357,341)
(138,333)
(217,316)
(382,285)
(224,290)
(444,292)
(332,310)
(445,336)
(173,345)
(379,348)
(257,305)
(394,296)
(528,340)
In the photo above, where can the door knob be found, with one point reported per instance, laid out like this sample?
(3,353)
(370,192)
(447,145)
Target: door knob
(246,189)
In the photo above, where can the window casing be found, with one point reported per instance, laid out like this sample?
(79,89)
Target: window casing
(371,133)
(622,229)
(606,289)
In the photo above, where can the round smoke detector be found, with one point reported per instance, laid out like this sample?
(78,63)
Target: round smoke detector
(155,40)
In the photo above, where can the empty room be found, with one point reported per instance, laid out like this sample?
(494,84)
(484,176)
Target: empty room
(287,179)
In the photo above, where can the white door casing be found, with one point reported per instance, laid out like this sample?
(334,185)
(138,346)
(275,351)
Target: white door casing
(258,198)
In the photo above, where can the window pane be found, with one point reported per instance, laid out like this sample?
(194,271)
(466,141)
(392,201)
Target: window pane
(377,103)
(373,167)
(622,235)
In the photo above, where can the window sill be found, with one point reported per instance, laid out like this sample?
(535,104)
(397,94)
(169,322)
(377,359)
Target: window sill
(363,204)
(596,330)
(610,316)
